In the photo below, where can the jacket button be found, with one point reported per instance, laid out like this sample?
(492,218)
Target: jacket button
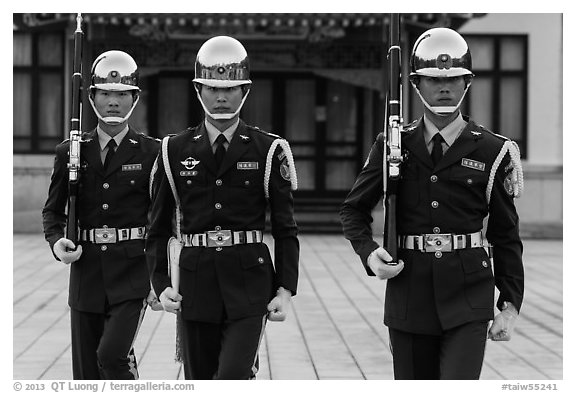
(218,248)
(434,204)
(218,206)
(438,254)
(433,178)
(469,181)
(260,260)
(105,186)
(217,227)
(219,182)
(104,248)
(247,183)
(132,182)
(105,206)
(484,263)
(436,230)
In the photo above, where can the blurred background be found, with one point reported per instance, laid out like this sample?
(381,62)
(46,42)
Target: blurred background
(318,81)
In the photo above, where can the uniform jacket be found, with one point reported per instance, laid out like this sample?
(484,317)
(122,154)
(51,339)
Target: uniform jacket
(433,294)
(116,198)
(240,280)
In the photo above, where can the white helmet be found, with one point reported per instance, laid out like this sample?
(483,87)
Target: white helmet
(441,53)
(114,71)
(222,62)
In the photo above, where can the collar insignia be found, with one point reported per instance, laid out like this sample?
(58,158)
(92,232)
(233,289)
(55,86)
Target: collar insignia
(197,137)
(132,141)
(190,163)
(476,133)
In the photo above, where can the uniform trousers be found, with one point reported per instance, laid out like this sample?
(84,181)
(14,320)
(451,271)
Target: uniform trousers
(227,350)
(102,343)
(456,354)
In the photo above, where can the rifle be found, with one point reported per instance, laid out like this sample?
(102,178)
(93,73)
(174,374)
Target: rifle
(75,136)
(392,140)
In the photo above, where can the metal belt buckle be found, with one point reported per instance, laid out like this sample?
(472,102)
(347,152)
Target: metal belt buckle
(437,242)
(219,238)
(104,235)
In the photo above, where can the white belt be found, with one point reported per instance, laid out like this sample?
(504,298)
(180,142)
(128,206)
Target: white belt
(444,242)
(111,235)
(222,238)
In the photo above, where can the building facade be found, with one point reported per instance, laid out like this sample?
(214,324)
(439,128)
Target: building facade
(318,81)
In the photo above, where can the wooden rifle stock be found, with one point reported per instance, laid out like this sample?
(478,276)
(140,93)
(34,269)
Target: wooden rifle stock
(392,139)
(75,135)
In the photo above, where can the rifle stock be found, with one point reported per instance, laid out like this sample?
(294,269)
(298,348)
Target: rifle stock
(75,135)
(392,139)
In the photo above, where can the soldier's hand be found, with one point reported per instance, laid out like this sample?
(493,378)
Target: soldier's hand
(377,262)
(153,301)
(64,250)
(278,307)
(171,300)
(503,325)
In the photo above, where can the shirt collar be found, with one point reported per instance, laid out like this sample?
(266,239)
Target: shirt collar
(104,138)
(449,133)
(213,132)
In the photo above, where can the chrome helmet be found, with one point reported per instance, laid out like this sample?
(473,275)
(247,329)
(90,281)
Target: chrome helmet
(441,52)
(222,62)
(114,71)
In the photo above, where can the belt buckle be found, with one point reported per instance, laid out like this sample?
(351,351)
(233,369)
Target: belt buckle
(437,242)
(104,235)
(219,238)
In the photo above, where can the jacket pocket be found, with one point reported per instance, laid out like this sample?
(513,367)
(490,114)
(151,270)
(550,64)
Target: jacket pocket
(257,272)
(478,278)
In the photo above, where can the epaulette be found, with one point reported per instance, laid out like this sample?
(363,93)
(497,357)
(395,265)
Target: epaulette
(255,128)
(411,126)
(149,137)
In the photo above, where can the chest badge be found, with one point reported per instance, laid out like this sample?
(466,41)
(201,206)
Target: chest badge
(247,165)
(472,164)
(190,163)
(197,137)
(132,141)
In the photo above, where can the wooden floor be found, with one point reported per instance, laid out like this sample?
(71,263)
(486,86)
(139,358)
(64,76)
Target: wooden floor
(334,330)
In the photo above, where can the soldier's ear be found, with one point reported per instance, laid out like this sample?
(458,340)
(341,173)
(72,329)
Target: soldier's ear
(415,79)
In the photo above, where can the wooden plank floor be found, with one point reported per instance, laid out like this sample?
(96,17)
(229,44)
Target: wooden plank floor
(334,330)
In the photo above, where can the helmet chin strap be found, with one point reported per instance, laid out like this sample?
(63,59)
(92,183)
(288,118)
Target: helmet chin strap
(113,120)
(438,109)
(222,116)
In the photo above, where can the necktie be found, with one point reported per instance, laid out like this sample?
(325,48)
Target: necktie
(437,148)
(220,150)
(110,153)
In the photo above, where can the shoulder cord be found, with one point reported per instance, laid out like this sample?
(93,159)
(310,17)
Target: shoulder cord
(517,173)
(291,166)
(172,185)
(152,174)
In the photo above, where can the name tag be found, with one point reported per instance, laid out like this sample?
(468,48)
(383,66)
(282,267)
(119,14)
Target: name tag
(477,165)
(188,173)
(247,165)
(132,167)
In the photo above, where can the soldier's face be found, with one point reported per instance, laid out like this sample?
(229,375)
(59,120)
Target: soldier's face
(442,91)
(113,103)
(221,99)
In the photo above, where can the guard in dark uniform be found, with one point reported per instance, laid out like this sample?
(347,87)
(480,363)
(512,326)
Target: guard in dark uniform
(109,280)
(455,173)
(226,174)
